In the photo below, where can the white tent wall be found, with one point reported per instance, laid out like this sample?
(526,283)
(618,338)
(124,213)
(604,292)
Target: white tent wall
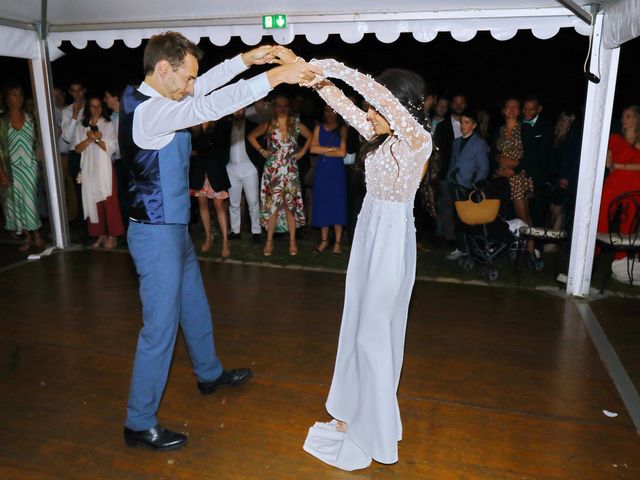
(622,23)
(18,42)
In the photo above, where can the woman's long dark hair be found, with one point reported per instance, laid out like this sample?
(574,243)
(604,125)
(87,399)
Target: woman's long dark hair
(86,113)
(409,88)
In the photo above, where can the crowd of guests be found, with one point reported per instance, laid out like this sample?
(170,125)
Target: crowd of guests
(293,163)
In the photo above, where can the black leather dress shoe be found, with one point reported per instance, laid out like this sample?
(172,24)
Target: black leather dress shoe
(256,238)
(156,438)
(234,236)
(229,378)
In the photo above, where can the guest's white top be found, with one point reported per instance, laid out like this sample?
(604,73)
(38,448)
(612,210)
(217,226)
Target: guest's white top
(238,158)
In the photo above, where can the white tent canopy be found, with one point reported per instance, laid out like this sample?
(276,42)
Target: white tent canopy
(80,21)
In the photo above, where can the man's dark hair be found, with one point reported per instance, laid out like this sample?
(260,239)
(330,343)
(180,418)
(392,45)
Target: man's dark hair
(170,46)
(115,91)
(471,114)
(77,81)
(532,97)
(458,94)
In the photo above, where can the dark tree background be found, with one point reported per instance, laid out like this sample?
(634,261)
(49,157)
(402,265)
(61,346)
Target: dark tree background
(485,69)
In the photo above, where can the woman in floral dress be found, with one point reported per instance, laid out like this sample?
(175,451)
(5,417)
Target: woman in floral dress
(281,206)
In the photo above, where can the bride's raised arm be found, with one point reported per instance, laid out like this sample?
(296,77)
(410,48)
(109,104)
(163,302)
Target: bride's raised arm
(402,123)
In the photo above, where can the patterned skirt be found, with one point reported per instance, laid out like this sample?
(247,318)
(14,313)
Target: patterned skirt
(521,186)
(208,191)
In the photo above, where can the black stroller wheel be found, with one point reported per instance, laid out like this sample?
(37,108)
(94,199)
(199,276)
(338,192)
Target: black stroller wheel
(492,274)
(465,263)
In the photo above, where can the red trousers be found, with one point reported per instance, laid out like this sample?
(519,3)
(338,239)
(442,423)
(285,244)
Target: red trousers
(109,217)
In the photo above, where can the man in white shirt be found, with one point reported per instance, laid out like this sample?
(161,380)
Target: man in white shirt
(59,100)
(71,115)
(243,175)
(155,148)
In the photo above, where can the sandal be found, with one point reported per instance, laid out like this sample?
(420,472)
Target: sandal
(268,249)
(293,248)
(226,251)
(207,244)
(337,249)
(100,242)
(322,247)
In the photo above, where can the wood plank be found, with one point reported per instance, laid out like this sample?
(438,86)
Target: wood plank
(497,383)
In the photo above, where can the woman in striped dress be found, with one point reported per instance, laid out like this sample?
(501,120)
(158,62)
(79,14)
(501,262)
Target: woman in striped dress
(18,130)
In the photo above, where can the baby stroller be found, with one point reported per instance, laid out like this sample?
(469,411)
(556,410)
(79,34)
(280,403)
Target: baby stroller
(486,234)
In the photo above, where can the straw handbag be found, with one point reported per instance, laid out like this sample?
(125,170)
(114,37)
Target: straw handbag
(477,213)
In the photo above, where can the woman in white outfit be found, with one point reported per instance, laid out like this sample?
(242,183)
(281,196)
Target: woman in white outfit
(362,399)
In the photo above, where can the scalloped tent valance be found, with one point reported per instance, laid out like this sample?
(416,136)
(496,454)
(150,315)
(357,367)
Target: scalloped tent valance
(81,21)
(462,29)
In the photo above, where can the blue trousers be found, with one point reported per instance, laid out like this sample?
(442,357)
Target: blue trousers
(172,293)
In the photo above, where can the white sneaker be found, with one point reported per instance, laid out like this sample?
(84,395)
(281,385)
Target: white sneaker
(456,254)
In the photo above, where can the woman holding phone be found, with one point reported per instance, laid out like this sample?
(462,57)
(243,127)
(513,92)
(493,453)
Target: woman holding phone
(96,141)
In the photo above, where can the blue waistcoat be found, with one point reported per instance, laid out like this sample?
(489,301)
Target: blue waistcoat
(158,179)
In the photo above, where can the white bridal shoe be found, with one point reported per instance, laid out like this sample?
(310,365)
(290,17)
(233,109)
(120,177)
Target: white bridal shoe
(335,448)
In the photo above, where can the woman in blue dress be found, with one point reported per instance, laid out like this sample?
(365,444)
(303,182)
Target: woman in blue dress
(329,184)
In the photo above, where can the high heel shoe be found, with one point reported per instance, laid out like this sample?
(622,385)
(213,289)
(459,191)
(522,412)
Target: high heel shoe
(111,243)
(293,248)
(337,249)
(100,242)
(322,247)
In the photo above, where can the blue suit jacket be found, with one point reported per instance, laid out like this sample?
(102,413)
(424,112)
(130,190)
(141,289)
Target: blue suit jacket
(472,162)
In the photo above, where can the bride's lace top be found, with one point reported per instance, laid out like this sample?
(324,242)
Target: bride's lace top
(393,170)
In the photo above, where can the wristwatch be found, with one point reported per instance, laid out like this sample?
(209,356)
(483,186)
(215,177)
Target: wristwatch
(97,140)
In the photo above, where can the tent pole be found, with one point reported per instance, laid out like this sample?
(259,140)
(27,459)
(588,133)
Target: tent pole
(43,93)
(577,10)
(593,155)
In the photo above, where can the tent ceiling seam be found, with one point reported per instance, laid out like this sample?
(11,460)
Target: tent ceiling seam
(320,18)
(5,22)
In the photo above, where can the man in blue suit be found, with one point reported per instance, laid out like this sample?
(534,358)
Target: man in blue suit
(156,147)
(469,163)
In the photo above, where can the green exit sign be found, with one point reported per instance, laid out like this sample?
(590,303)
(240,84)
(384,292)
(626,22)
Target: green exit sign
(277,20)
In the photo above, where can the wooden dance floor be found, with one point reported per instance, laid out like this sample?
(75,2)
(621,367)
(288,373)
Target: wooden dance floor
(497,383)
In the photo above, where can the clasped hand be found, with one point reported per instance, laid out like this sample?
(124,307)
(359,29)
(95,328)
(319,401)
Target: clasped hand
(295,69)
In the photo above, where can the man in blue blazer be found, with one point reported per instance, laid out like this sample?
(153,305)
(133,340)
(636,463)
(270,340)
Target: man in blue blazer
(469,163)
(155,146)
